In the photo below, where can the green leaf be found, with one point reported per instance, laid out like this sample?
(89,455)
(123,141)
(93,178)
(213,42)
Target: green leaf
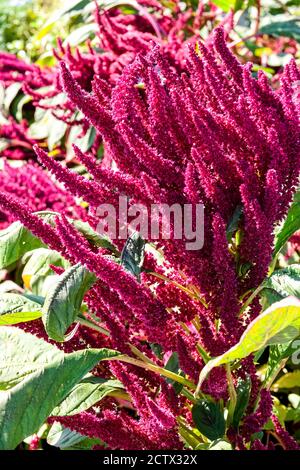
(289,226)
(91,235)
(63,301)
(62,437)
(173,365)
(209,419)
(133,253)
(284,282)
(85,394)
(72,6)
(15,308)
(288,380)
(34,377)
(277,355)
(79,35)
(21,103)
(10,94)
(15,241)
(37,269)
(233,224)
(220,444)
(289,28)
(86,142)
(243,393)
(280,323)
(225,5)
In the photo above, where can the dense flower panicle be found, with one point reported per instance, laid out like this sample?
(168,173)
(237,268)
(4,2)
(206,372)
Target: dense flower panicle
(258,445)
(149,310)
(31,183)
(33,222)
(254,422)
(287,441)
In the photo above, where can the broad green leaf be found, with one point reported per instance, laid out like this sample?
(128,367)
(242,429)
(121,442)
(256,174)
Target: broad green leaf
(285,282)
(62,437)
(289,226)
(133,253)
(243,393)
(280,323)
(15,241)
(15,308)
(86,393)
(37,268)
(289,28)
(209,419)
(34,377)
(63,301)
(288,380)
(220,444)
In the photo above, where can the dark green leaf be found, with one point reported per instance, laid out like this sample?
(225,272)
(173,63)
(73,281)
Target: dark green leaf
(289,28)
(63,301)
(91,235)
(209,419)
(233,224)
(133,253)
(173,366)
(290,225)
(243,393)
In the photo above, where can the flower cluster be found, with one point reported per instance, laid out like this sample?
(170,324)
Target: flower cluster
(29,183)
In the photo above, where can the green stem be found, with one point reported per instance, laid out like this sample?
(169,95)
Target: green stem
(203,353)
(188,395)
(85,322)
(251,298)
(140,355)
(154,368)
(268,382)
(232,395)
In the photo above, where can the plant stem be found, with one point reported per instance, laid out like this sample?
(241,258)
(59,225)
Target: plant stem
(154,368)
(141,355)
(232,395)
(269,382)
(192,294)
(251,298)
(85,322)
